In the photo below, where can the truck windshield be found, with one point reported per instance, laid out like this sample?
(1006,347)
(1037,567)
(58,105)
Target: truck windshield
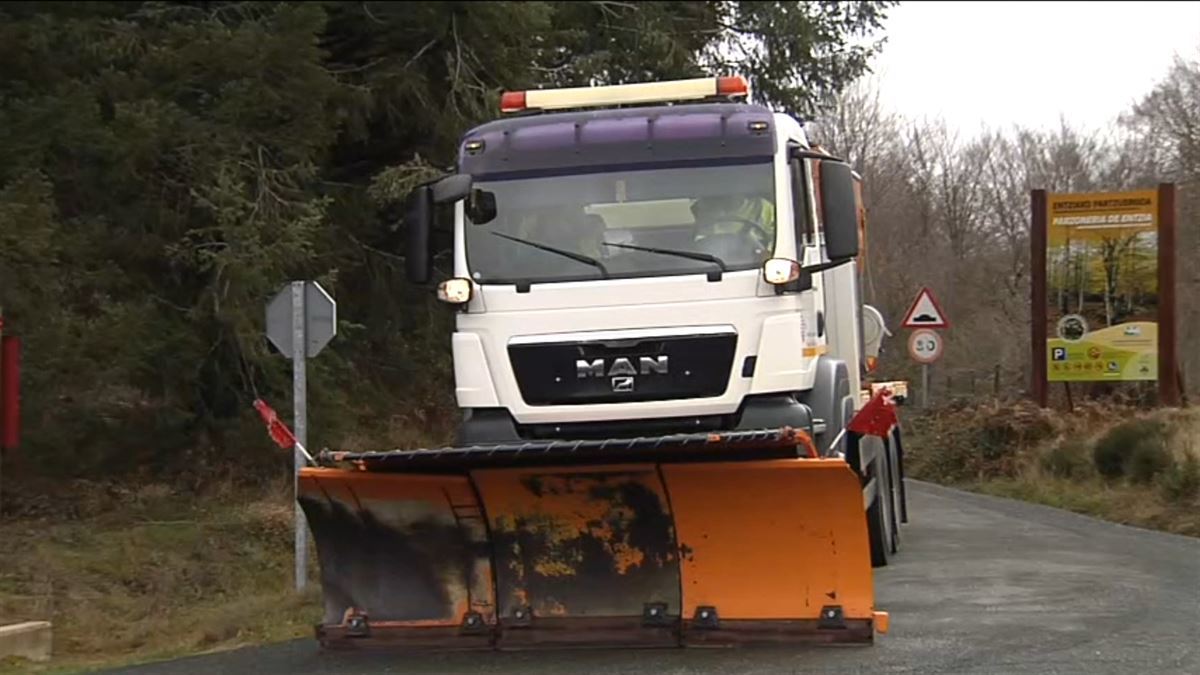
(603,225)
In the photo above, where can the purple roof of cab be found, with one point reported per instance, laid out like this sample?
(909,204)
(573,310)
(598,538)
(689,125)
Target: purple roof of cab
(579,141)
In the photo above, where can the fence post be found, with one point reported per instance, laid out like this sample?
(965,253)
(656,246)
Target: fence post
(996,381)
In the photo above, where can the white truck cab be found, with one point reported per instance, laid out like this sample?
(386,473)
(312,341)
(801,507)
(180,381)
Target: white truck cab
(647,259)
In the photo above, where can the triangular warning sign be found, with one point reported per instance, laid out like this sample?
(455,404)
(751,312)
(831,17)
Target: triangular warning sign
(925,312)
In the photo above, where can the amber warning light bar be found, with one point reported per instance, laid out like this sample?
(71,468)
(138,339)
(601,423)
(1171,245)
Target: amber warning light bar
(732,87)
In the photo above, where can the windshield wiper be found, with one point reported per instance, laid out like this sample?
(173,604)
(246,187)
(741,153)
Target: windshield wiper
(578,257)
(678,254)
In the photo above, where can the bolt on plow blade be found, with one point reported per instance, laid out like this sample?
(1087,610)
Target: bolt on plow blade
(620,555)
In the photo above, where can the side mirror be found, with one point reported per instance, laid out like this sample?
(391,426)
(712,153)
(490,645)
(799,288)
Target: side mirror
(481,206)
(452,188)
(839,210)
(418,221)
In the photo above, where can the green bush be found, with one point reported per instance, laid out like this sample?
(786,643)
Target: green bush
(1147,460)
(946,458)
(1181,480)
(1136,448)
(958,445)
(1068,459)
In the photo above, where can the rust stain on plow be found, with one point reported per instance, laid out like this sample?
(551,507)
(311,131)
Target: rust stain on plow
(400,548)
(576,543)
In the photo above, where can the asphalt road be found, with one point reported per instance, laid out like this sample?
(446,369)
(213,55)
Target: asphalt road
(982,585)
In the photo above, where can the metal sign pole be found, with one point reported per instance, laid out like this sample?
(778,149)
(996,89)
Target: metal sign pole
(925,385)
(1039,383)
(300,422)
(1169,387)
(301,319)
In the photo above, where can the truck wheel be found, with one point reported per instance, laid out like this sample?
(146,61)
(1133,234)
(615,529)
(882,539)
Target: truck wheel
(898,440)
(843,420)
(827,400)
(893,530)
(889,503)
(876,523)
(894,494)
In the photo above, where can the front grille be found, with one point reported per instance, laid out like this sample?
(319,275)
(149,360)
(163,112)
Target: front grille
(619,371)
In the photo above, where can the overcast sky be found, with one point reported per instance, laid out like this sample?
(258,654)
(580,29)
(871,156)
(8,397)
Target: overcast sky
(1000,63)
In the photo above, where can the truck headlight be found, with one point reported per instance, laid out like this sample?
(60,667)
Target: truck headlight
(455,291)
(779,271)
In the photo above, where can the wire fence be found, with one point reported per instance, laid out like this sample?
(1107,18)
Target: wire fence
(949,386)
(943,385)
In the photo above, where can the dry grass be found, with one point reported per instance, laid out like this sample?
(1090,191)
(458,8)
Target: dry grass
(145,573)
(1017,450)
(414,426)
(1126,504)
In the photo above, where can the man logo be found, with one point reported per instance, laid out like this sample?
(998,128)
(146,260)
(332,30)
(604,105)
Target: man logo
(622,385)
(646,365)
(1058,354)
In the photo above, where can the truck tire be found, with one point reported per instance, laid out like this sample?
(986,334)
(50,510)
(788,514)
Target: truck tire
(894,494)
(481,426)
(898,441)
(847,405)
(877,530)
(827,400)
(889,500)
(892,534)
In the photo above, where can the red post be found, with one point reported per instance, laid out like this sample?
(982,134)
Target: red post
(1038,383)
(10,392)
(1168,345)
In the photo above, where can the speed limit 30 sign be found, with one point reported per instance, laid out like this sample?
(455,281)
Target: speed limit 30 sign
(925,346)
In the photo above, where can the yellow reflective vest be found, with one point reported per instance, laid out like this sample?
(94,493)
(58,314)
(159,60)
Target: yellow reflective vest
(755,210)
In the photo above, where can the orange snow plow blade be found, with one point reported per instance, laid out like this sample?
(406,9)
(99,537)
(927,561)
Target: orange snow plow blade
(772,550)
(403,558)
(582,555)
(651,553)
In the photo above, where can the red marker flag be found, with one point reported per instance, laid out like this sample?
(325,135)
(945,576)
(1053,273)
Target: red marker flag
(279,432)
(877,417)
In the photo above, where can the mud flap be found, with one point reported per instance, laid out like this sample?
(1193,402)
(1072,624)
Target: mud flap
(772,550)
(582,555)
(404,558)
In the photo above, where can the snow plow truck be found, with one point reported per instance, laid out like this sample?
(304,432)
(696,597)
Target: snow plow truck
(659,347)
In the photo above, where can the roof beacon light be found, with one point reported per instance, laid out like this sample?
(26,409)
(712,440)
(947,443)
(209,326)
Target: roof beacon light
(735,85)
(512,101)
(625,94)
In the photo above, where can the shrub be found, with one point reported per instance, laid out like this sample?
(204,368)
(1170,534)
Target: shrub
(956,445)
(1067,459)
(1181,480)
(1134,446)
(1148,459)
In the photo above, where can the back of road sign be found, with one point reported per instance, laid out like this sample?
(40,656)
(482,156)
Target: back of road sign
(320,319)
